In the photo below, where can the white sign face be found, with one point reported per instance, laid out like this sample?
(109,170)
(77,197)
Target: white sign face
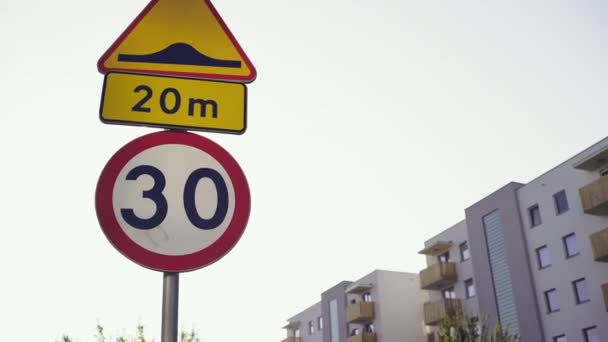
(173,201)
(176,234)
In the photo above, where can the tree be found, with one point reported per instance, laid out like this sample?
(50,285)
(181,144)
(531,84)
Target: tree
(463,328)
(185,336)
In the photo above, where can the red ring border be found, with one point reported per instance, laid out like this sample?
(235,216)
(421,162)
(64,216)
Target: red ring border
(171,263)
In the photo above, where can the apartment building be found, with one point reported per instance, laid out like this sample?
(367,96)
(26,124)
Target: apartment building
(381,306)
(530,256)
(449,277)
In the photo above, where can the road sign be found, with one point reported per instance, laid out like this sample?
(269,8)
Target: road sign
(179,38)
(131,99)
(172,201)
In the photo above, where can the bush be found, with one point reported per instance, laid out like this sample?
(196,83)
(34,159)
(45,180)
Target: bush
(185,336)
(463,328)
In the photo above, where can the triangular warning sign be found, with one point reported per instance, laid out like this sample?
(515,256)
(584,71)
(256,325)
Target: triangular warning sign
(179,38)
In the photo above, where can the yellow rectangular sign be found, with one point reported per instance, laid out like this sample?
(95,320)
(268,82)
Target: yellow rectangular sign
(159,101)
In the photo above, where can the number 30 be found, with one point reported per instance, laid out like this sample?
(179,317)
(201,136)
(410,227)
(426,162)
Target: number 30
(155,194)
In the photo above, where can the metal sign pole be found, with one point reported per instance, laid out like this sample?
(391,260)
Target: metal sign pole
(170,307)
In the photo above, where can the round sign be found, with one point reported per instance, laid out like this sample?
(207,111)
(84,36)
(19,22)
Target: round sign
(172,201)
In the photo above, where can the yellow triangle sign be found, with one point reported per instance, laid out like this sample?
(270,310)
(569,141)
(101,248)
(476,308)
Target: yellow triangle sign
(184,38)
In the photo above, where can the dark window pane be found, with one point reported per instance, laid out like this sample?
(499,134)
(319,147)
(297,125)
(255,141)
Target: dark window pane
(570,245)
(552,300)
(561,202)
(542,254)
(470,287)
(560,338)
(591,334)
(581,291)
(465,254)
(534,213)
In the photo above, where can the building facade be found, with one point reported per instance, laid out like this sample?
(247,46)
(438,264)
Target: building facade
(448,279)
(382,306)
(530,256)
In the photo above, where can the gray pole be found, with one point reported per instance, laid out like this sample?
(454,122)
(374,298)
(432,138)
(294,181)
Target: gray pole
(170,305)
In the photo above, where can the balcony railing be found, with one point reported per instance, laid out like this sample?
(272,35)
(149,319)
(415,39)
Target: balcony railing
(599,245)
(292,339)
(438,276)
(360,312)
(594,197)
(434,312)
(364,337)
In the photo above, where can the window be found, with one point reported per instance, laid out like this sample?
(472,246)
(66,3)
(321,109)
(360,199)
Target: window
(465,254)
(552,300)
(497,246)
(367,297)
(370,328)
(470,287)
(542,255)
(445,257)
(591,334)
(296,333)
(311,328)
(581,293)
(354,332)
(320,323)
(570,245)
(560,338)
(449,293)
(334,326)
(534,214)
(561,202)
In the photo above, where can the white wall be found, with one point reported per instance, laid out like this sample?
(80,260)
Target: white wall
(310,314)
(571,318)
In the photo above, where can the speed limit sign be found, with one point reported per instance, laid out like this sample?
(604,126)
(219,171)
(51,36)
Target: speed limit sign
(172,201)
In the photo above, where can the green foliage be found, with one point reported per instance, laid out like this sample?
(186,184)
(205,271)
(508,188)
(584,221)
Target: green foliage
(191,336)
(185,336)
(463,328)
(458,329)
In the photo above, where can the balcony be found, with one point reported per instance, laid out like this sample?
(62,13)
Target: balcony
(599,245)
(434,312)
(594,197)
(436,248)
(292,339)
(360,312)
(438,276)
(605,292)
(364,337)
(293,330)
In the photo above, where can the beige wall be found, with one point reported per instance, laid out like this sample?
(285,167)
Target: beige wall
(457,234)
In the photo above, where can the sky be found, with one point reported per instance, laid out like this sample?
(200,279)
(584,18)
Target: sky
(372,125)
